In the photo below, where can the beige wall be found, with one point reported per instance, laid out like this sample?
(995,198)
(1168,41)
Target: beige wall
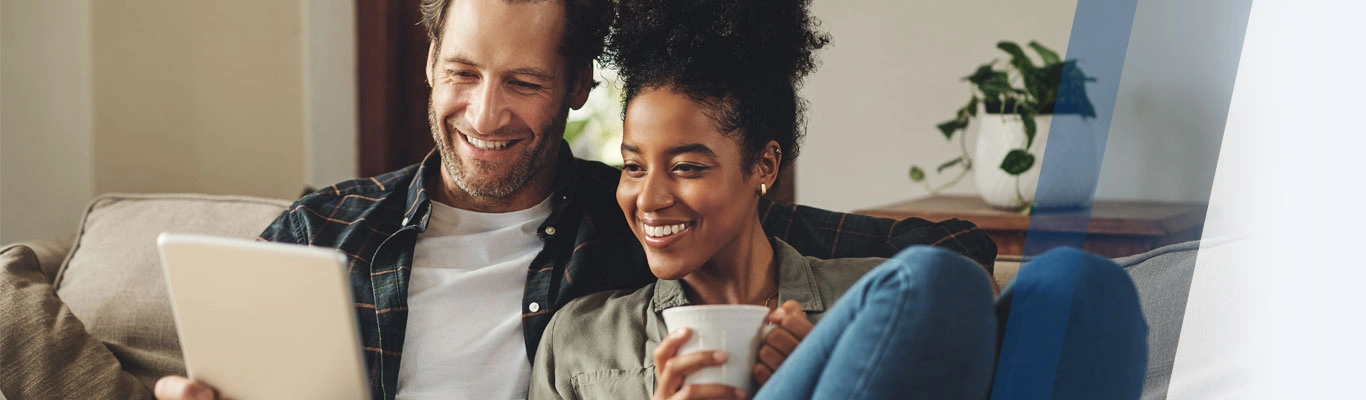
(252,97)
(198,97)
(45,122)
(893,72)
(891,75)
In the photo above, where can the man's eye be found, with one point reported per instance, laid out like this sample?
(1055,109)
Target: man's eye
(527,85)
(632,168)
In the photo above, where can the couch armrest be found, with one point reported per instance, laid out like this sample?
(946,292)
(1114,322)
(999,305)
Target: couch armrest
(51,253)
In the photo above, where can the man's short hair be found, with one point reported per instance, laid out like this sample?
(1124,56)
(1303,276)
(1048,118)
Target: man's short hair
(586,26)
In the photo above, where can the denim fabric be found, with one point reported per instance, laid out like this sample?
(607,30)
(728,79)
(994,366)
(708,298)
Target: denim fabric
(921,325)
(1075,330)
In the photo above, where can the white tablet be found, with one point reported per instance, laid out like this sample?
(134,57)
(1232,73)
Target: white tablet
(262,320)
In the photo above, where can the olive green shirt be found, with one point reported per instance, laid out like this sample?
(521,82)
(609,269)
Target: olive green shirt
(601,346)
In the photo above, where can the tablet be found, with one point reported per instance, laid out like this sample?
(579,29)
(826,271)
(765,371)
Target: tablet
(261,320)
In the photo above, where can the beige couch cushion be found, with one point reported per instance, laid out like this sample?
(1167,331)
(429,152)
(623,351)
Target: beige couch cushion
(45,352)
(113,281)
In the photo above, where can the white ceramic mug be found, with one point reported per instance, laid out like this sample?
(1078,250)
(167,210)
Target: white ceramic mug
(734,329)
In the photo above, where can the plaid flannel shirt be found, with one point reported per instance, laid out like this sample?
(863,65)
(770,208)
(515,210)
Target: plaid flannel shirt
(588,246)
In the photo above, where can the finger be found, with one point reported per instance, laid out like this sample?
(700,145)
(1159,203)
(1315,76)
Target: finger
(796,322)
(182,388)
(771,357)
(677,368)
(667,349)
(710,391)
(777,315)
(782,340)
(762,373)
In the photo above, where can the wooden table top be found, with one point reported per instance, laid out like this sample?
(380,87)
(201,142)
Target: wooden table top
(1146,218)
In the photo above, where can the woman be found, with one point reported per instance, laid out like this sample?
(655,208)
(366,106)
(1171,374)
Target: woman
(712,115)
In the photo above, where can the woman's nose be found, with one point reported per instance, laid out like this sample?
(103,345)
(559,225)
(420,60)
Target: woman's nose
(655,194)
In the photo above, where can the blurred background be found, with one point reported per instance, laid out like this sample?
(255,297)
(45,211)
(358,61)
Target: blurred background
(268,97)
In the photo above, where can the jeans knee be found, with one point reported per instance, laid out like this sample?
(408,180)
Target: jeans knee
(1068,261)
(942,269)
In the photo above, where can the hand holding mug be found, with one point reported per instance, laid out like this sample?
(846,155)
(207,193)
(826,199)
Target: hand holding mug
(790,326)
(671,369)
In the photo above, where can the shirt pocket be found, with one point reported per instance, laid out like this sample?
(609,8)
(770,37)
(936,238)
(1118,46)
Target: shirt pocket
(638,383)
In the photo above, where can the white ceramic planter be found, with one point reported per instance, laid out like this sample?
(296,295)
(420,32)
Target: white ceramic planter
(998,134)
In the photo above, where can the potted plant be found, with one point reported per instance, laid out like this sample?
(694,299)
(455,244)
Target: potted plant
(1010,105)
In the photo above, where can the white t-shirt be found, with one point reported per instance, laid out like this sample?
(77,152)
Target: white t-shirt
(464,336)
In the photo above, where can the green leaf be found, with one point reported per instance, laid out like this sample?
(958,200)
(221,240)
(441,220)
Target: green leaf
(1017,162)
(981,74)
(948,128)
(995,85)
(917,174)
(972,106)
(1017,56)
(572,129)
(954,162)
(1027,117)
(1048,56)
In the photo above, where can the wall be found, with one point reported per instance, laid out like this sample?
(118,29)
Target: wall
(252,97)
(893,72)
(1174,99)
(329,68)
(198,97)
(891,75)
(45,129)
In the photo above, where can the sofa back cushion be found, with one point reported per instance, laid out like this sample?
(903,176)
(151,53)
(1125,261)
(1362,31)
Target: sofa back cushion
(1163,278)
(113,282)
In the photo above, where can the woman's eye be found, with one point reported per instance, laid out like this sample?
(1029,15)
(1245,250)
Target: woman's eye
(689,168)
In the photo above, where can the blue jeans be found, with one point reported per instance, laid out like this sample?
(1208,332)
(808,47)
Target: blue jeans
(922,325)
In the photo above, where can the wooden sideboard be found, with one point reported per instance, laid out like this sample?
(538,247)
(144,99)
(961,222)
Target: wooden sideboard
(1113,229)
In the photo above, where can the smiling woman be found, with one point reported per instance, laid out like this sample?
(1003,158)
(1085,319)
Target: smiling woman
(712,117)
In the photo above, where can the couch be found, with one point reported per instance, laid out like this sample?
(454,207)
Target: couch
(103,297)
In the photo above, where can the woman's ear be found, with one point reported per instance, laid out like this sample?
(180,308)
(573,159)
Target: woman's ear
(766,168)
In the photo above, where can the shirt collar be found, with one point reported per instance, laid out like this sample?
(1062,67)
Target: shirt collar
(418,210)
(795,282)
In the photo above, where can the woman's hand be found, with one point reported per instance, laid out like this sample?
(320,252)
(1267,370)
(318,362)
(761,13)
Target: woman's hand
(671,369)
(182,388)
(790,327)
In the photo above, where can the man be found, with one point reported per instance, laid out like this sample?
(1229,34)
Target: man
(458,263)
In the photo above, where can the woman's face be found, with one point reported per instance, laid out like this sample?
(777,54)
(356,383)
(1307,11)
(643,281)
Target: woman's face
(684,189)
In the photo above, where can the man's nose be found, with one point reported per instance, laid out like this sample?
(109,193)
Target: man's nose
(487,111)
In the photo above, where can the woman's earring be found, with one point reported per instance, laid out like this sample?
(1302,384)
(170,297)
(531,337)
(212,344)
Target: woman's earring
(763,189)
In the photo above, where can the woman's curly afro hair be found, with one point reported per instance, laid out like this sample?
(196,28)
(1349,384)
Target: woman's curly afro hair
(743,59)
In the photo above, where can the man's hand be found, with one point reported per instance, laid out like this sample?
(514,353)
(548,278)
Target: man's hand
(182,388)
(671,369)
(790,327)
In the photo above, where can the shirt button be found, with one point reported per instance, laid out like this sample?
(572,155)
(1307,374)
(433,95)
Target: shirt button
(405,221)
(550,231)
(534,307)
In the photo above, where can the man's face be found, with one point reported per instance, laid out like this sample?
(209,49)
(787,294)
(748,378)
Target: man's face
(501,92)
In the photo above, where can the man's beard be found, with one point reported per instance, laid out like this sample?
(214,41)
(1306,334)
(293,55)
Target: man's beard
(480,180)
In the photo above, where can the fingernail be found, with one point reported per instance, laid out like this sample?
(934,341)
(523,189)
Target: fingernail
(780,313)
(739,393)
(720,356)
(679,332)
(204,395)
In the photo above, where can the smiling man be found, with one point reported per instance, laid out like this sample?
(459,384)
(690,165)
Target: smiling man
(458,263)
